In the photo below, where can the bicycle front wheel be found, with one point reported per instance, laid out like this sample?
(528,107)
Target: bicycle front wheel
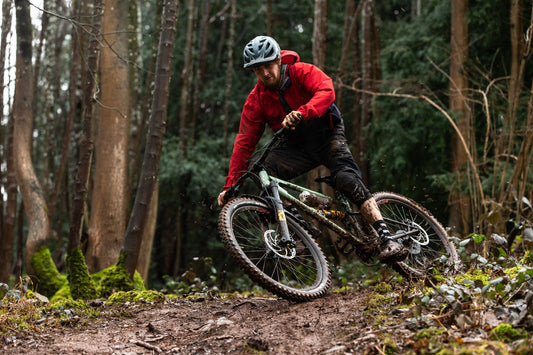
(249,230)
(419,231)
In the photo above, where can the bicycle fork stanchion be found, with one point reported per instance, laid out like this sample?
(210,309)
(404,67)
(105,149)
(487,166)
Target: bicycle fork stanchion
(286,240)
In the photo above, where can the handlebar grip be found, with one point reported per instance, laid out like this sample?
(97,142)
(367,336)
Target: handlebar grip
(230,192)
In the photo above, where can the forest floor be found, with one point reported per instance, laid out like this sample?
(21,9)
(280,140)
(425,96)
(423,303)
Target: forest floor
(361,321)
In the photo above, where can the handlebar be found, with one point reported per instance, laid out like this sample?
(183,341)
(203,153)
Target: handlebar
(234,189)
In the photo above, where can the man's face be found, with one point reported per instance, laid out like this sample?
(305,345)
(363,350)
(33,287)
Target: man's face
(269,74)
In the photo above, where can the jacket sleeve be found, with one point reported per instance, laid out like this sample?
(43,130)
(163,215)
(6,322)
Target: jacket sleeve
(317,85)
(251,129)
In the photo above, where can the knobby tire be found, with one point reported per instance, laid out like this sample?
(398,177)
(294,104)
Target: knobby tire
(430,249)
(244,225)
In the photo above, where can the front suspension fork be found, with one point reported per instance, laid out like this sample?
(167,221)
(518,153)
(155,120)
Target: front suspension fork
(286,239)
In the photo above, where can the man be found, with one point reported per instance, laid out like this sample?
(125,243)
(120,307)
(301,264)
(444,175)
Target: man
(300,97)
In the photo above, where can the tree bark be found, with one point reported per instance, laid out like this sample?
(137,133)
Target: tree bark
(201,68)
(147,182)
(110,195)
(7,227)
(370,75)
(350,27)
(186,80)
(320,30)
(67,132)
(32,195)
(460,215)
(229,73)
(86,146)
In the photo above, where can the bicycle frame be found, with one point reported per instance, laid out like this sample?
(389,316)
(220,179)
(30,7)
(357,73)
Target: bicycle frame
(279,188)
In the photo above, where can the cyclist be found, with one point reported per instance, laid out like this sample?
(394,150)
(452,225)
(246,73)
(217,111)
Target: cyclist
(300,97)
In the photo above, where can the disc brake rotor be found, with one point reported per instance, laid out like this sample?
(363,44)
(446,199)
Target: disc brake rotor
(272,241)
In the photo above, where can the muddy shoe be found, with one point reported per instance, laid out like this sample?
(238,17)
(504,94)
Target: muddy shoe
(390,251)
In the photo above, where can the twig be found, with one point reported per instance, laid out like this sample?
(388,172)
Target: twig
(146,345)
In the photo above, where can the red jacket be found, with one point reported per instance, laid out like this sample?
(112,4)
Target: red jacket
(311,92)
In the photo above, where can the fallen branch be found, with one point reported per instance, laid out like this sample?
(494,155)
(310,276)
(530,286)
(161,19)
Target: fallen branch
(146,345)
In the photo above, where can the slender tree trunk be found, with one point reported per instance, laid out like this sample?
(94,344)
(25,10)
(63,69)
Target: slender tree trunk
(460,215)
(146,94)
(32,195)
(520,173)
(7,227)
(73,96)
(357,109)
(370,75)
(320,30)
(186,80)
(201,67)
(86,145)
(229,73)
(147,182)
(110,195)
(350,26)
(269,17)
(506,140)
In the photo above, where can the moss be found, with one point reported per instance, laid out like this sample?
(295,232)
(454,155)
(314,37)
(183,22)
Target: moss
(506,333)
(383,288)
(115,278)
(138,282)
(389,346)
(430,333)
(49,280)
(134,296)
(66,303)
(473,276)
(62,294)
(81,284)
(377,301)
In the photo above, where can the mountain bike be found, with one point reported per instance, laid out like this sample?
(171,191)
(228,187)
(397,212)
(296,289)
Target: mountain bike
(274,244)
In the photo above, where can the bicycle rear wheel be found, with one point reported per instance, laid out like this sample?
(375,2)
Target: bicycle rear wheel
(424,237)
(249,230)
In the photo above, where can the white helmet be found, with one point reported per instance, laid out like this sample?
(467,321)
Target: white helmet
(260,50)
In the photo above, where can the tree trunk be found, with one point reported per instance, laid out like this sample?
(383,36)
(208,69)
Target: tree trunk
(110,195)
(7,227)
(229,75)
(357,109)
(460,215)
(370,75)
(35,206)
(146,94)
(320,30)
(269,17)
(73,97)
(350,27)
(201,68)
(523,161)
(186,80)
(152,155)
(86,145)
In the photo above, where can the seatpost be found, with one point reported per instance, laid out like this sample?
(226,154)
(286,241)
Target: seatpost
(286,239)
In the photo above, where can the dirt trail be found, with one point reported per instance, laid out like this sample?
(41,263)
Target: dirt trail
(268,325)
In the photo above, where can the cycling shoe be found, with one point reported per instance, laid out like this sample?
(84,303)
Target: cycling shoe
(391,251)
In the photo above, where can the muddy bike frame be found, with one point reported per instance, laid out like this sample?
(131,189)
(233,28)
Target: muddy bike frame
(276,189)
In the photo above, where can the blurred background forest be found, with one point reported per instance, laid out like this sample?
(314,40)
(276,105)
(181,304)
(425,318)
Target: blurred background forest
(436,97)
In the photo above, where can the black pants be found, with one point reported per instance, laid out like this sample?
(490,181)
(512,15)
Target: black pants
(319,142)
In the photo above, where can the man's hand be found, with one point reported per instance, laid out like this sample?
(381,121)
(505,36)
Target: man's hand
(292,120)
(222,198)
